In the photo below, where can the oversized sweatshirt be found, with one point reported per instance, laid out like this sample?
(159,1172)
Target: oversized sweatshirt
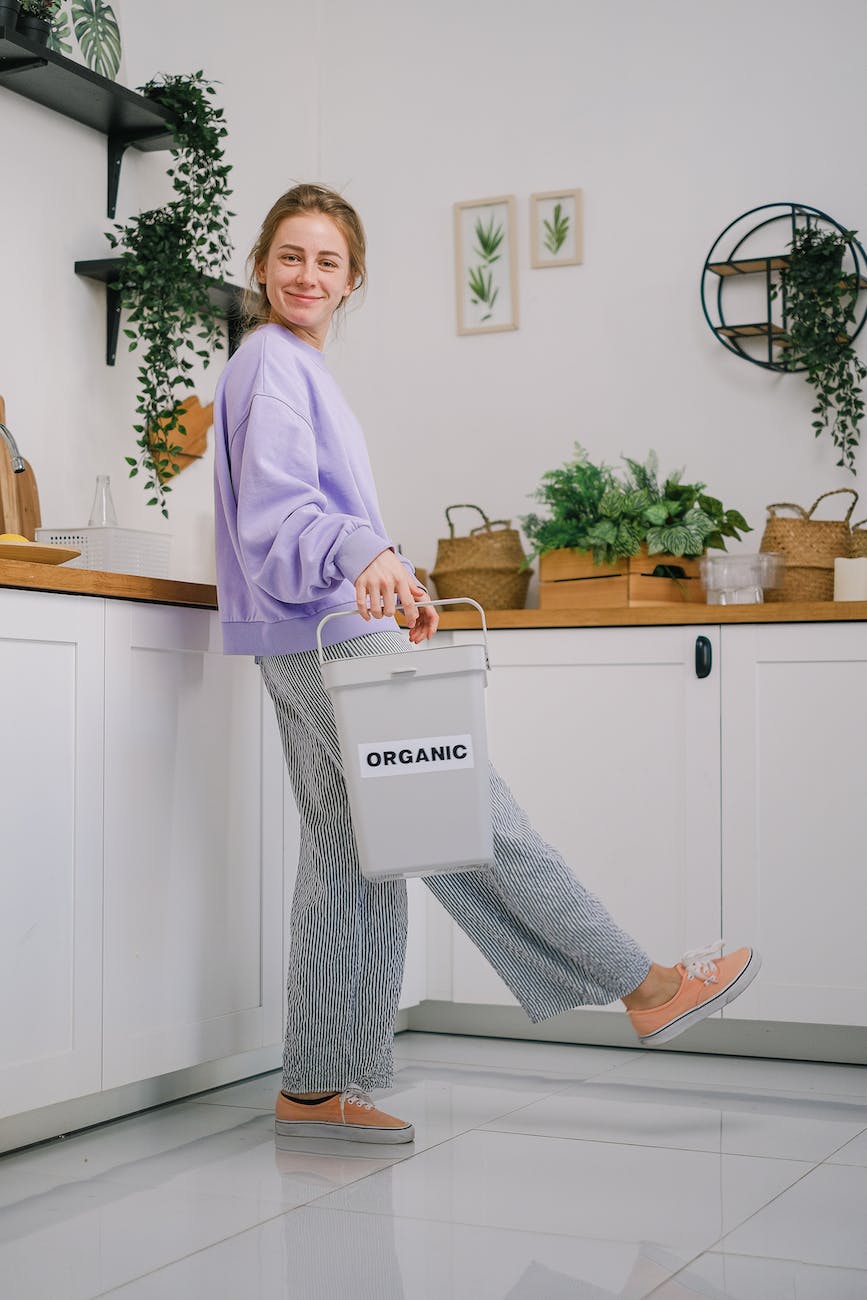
(297,517)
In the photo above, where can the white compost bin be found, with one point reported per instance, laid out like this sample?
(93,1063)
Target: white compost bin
(415,755)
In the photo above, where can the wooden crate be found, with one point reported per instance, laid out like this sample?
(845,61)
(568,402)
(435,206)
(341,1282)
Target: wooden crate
(570,580)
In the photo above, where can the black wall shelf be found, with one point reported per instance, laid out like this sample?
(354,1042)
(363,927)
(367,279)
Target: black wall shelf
(227,298)
(67,87)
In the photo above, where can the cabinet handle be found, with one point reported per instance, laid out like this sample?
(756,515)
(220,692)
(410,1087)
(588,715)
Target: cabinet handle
(703,656)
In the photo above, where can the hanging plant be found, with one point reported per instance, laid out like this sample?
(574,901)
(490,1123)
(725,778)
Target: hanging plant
(98,34)
(166,258)
(820,300)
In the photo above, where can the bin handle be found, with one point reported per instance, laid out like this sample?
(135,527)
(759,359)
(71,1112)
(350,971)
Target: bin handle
(451,600)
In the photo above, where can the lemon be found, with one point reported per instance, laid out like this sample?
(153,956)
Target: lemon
(13,537)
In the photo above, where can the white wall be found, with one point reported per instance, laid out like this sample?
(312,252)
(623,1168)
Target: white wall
(672,117)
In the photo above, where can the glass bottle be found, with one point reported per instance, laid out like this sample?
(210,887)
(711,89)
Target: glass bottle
(102,512)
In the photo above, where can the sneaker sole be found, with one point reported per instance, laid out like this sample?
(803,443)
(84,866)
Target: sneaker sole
(344,1132)
(692,1017)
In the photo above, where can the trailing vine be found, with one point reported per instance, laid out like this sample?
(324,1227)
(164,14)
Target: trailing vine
(820,300)
(166,257)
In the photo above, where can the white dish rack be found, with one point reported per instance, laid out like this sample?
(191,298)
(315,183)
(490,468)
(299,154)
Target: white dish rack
(113,550)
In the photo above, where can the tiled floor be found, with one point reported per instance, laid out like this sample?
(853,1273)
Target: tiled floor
(539,1172)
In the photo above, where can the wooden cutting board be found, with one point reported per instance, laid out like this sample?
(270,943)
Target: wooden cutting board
(197,420)
(19,497)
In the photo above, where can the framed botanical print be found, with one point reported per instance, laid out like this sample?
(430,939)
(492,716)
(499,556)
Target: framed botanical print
(556,228)
(486,280)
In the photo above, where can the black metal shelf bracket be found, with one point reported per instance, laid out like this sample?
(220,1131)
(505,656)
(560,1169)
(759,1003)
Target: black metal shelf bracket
(227,298)
(69,88)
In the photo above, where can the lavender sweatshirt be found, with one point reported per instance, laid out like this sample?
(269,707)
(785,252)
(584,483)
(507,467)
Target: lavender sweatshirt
(297,518)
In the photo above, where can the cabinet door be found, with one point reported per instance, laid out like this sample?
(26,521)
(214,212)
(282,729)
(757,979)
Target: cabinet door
(794,780)
(193,848)
(610,742)
(51,756)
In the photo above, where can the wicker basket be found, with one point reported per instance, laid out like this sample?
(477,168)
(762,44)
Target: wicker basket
(809,547)
(858,541)
(485,565)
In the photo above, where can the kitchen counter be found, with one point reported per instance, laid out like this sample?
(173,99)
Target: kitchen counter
(203,595)
(92,582)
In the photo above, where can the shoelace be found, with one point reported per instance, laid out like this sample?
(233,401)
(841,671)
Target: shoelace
(699,962)
(355,1097)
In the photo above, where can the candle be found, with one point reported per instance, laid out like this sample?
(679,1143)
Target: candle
(850,579)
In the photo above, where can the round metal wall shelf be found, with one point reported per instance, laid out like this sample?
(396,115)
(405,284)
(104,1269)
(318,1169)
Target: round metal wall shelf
(740,274)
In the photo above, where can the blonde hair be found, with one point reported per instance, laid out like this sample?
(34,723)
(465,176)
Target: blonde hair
(303,198)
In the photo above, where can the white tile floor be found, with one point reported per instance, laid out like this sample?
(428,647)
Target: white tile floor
(539,1172)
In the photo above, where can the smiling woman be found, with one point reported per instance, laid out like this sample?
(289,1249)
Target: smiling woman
(310,231)
(306,275)
(299,535)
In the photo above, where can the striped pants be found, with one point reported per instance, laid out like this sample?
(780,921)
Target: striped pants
(550,940)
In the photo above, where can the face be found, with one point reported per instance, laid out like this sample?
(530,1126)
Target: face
(306,275)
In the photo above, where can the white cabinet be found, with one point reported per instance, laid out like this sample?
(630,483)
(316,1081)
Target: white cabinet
(193,847)
(795,816)
(51,763)
(610,741)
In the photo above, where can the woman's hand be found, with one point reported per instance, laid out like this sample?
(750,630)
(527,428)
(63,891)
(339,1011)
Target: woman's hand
(386,581)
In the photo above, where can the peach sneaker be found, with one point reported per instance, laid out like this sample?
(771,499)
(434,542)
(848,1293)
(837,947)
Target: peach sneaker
(350,1114)
(708,982)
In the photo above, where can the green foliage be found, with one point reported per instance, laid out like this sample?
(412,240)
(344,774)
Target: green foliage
(820,301)
(556,230)
(591,509)
(45,9)
(60,39)
(166,256)
(481,278)
(488,240)
(98,34)
(573,494)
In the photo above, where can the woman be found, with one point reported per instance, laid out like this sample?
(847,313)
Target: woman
(299,534)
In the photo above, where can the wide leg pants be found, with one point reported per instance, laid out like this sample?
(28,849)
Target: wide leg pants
(551,941)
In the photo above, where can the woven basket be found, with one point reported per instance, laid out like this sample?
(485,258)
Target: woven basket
(858,541)
(484,565)
(809,547)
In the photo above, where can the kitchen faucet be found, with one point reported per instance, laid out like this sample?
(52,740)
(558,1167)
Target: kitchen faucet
(14,454)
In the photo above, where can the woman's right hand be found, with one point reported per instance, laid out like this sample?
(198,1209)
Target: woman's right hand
(382,584)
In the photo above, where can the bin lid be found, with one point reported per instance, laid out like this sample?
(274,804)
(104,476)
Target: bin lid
(442,661)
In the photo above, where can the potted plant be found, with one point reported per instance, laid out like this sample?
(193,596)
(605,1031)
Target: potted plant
(8,14)
(642,535)
(36,19)
(820,298)
(167,256)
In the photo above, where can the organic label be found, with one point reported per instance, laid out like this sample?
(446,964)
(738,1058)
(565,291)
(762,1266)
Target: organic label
(415,757)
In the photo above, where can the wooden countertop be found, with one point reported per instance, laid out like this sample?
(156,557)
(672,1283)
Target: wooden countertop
(92,582)
(202,595)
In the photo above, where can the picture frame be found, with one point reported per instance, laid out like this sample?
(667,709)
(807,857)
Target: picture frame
(557,228)
(486,273)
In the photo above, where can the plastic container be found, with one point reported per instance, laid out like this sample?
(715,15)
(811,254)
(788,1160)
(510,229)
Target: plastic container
(740,579)
(413,740)
(114,550)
